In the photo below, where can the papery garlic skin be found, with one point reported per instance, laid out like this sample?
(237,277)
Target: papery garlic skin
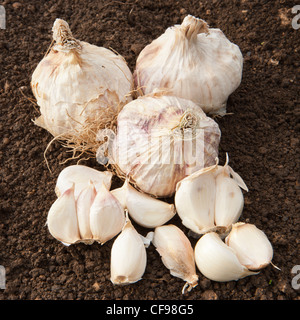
(107,216)
(128,256)
(162,139)
(251,245)
(218,262)
(210,199)
(191,61)
(177,254)
(76,80)
(83,205)
(81,175)
(62,218)
(145,210)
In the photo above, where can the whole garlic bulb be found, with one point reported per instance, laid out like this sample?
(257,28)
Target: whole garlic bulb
(251,245)
(217,261)
(162,139)
(210,199)
(191,61)
(77,83)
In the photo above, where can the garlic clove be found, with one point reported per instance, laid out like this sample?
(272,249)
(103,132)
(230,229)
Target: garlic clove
(145,210)
(128,256)
(195,200)
(177,254)
(62,218)
(106,216)
(251,245)
(229,201)
(218,262)
(83,204)
(81,175)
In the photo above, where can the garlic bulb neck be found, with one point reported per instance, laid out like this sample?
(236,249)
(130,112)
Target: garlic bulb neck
(192,26)
(63,37)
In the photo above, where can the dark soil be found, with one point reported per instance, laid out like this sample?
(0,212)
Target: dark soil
(261,136)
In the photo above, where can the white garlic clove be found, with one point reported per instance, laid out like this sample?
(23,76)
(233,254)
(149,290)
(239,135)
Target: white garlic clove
(81,175)
(218,262)
(128,256)
(83,204)
(229,201)
(195,200)
(177,254)
(145,210)
(191,61)
(106,216)
(251,245)
(62,218)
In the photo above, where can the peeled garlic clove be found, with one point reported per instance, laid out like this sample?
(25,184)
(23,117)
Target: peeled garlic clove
(251,245)
(177,254)
(62,218)
(218,262)
(162,139)
(83,204)
(195,200)
(81,175)
(191,61)
(79,85)
(106,216)
(128,256)
(145,210)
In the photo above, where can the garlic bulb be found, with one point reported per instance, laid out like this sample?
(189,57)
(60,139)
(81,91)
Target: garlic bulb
(76,82)
(210,199)
(128,256)
(177,254)
(94,216)
(194,62)
(106,216)
(160,140)
(145,210)
(251,245)
(218,262)
(62,218)
(81,176)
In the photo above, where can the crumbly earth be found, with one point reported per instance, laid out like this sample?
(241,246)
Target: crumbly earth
(260,133)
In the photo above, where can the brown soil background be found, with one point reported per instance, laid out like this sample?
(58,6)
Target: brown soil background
(261,136)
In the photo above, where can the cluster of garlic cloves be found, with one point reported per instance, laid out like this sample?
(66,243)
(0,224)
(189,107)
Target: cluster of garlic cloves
(210,199)
(88,216)
(245,251)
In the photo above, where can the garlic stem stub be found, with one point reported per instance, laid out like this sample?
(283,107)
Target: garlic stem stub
(217,261)
(79,85)
(251,245)
(128,256)
(177,254)
(160,140)
(210,199)
(145,210)
(191,61)
(81,175)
